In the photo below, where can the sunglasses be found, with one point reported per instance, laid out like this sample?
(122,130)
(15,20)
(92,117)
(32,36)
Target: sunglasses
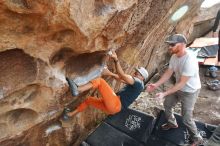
(172,45)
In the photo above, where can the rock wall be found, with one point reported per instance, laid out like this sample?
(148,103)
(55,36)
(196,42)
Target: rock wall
(43,41)
(204,22)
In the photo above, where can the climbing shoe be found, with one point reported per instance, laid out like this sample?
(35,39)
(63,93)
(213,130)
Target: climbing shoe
(73,87)
(65,117)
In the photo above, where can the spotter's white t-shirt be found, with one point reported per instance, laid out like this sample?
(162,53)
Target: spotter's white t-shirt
(186,65)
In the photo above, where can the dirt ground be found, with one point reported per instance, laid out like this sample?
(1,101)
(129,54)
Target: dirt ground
(207,107)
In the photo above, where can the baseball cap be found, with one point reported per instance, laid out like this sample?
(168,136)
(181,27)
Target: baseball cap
(143,72)
(176,38)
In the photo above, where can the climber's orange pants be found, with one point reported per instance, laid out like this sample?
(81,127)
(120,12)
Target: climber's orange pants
(109,102)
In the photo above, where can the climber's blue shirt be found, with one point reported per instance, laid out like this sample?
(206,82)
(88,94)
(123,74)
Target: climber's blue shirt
(130,92)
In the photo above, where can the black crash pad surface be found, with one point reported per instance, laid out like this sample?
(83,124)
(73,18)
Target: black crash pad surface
(179,136)
(133,128)
(134,123)
(155,141)
(106,135)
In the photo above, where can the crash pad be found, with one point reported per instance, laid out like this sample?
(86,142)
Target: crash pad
(134,128)
(155,141)
(106,135)
(180,135)
(136,124)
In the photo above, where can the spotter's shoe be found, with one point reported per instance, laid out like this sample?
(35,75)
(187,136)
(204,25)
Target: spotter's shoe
(197,141)
(168,126)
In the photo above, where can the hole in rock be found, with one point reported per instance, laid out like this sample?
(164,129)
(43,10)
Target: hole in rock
(16,68)
(20,3)
(84,63)
(25,95)
(179,13)
(21,118)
